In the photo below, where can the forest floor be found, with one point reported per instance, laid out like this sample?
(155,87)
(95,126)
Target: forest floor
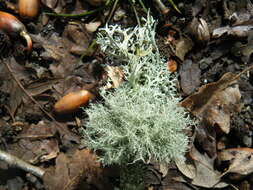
(207,43)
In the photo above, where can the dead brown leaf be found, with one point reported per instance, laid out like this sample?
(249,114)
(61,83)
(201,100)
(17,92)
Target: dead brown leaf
(215,102)
(55,5)
(183,46)
(76,38)
(70,171)
(189,76)
(10,86)
(187,168)
(37,144)
(206,175)
(56,51)
(241,160)
(206,138)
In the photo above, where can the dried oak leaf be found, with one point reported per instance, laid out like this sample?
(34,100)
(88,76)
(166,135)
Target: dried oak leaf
(189,76)
(57,51)
(76,38)
(241,160)
(9,84)
(186,167)
(70,171)
(215,102)
(37,144)
(182,47)
(206,175)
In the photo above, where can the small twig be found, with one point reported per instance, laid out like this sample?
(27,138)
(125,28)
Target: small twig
(174,5)
(143,6)
(161,6)
(112,10)
(14,161)
(135,12)
(237,76)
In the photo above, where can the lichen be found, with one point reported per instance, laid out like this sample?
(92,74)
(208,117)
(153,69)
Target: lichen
(140,120)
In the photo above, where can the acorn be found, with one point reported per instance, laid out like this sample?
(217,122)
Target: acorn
(28,8)
(72,101)
(13,27)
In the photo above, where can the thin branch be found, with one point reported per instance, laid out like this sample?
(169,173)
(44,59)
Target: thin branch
(161,6)
(14,161)
(135,13)
(112,11)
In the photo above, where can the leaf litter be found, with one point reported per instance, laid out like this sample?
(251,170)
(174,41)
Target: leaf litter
(55,69)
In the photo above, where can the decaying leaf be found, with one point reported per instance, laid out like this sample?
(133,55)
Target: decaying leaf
(206,138)
(76,38)
(69,171)
(10,86)
(243,51)
(189,76)
(37,144)
(58,52)
(187,168)
(206,175)
(199,29)
(238,31)
(215,102)
(183,46)
(241,160)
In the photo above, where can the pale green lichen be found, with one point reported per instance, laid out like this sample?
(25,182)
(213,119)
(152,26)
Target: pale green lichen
(140,120)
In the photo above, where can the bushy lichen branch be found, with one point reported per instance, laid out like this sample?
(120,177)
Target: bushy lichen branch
(141,120)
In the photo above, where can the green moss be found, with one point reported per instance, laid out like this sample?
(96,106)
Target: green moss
(141,120)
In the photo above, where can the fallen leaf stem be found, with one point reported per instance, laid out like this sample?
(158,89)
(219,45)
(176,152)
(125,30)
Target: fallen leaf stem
(16,162)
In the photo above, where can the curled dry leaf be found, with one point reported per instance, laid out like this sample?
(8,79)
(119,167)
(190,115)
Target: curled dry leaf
(241,160)
(215,102)
(199,29)
(206,175)
(116,75)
